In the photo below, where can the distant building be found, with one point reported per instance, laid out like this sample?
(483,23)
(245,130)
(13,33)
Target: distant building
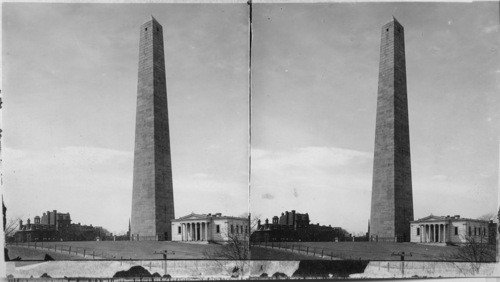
(294,227)
(451,229)
(54,226)
(209,227)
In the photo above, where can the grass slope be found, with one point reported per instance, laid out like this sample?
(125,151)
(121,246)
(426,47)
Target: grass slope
(372,250)
(258,253)
(120,249)
(32,254)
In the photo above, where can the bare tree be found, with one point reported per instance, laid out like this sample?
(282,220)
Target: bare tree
(236,250)
(475,251)
(11,226)
(489,216)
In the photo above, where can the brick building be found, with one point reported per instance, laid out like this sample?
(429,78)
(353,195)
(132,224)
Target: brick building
(295,227)
(54,226)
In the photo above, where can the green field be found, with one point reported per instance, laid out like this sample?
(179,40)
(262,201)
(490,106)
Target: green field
(281,251)
(135,250)
(32,254)
(367,250)
(258,253)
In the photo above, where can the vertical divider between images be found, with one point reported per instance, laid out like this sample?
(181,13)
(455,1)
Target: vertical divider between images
(250,35)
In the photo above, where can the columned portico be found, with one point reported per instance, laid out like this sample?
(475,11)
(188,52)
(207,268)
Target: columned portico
(447,229)
(195,231)
(205,228)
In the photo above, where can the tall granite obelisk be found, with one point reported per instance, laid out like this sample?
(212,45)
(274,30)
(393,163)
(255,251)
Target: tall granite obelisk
(153,197)
(392,199)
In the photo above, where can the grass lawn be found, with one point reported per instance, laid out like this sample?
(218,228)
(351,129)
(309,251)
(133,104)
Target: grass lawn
(32,254)
(259,253)
(136,250)
(372,250)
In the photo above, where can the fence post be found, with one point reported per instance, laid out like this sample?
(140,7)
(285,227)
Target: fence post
(322,252)
(331,255)
(84,252)
(307,251)
(314,251)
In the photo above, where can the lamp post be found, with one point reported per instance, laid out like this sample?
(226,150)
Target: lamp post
(402,255)
(165,254)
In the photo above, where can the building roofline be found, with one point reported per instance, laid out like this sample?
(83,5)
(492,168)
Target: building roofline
(445,218)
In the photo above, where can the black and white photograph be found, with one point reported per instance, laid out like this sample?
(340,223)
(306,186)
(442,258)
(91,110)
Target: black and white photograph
(375,126)
(125,131)
(250,140)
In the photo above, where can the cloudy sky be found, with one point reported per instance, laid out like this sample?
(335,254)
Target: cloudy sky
(315,72)
(69,85)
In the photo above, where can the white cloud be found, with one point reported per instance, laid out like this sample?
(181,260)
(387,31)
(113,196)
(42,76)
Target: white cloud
(93,184)
(268,196)
(333,184)
(490,29)
(208,194)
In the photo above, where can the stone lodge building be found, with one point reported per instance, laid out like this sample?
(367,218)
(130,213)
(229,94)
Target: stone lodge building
(210,228)
(451,229)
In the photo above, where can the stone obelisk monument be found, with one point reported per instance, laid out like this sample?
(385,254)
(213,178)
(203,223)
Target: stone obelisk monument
(153,197)
(392,199)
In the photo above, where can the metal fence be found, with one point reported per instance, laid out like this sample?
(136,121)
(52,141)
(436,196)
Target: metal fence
(84,253)
(299,249)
